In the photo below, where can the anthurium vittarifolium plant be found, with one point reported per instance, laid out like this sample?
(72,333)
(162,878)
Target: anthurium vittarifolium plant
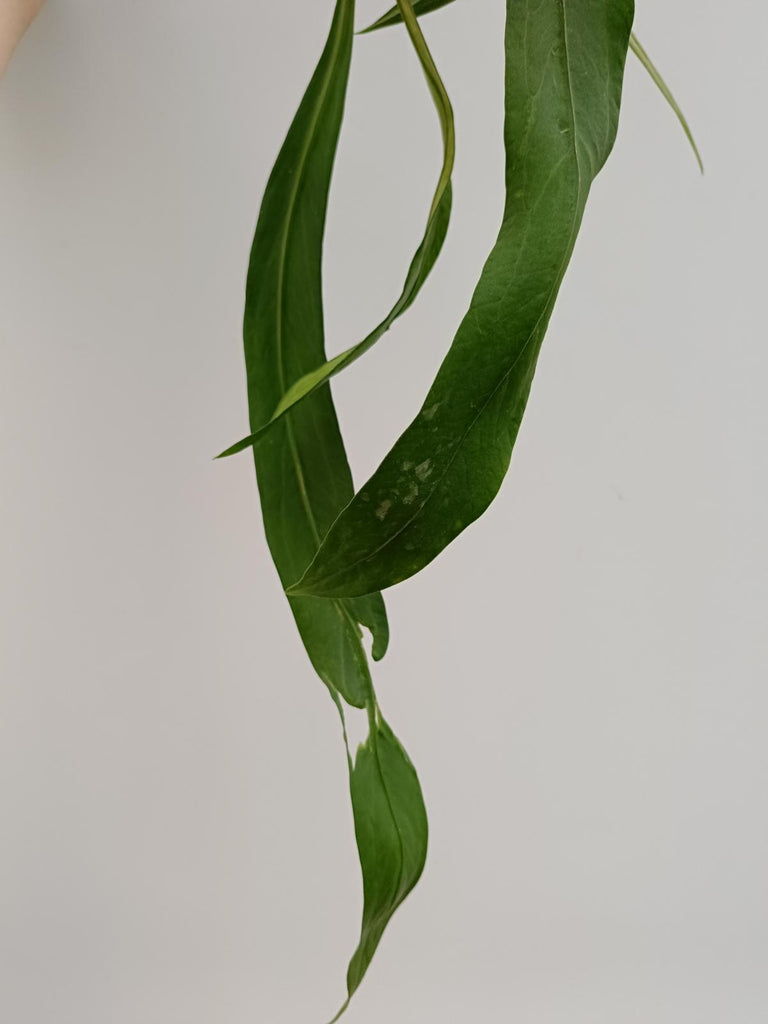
(336,549)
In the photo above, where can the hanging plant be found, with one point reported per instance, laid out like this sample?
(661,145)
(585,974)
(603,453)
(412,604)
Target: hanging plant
(336,549)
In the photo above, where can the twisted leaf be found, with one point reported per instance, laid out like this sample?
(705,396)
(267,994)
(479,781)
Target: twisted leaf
(393,17)
(420,268)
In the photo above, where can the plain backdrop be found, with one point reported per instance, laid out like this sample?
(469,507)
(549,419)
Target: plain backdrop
(581,679)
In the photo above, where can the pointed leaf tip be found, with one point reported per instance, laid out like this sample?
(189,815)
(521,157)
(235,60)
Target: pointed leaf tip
(642,55)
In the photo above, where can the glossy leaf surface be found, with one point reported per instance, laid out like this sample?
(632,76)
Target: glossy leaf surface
(419,270)
(564,72)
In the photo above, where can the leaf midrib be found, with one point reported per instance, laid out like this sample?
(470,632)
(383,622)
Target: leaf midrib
(294,194)
(298,178)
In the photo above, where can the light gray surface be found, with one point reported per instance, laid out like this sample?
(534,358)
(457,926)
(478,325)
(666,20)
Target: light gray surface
(581,680)
(15,17)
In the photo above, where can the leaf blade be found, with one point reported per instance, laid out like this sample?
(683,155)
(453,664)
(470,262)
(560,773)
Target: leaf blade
(421,265)
(303,475)
(640,52)
(393,15)
(421,7)
(564,78)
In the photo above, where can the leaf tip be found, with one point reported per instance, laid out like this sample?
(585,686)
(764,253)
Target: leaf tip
(240,446)
(341,1012)
(296,590)
(308,585)
(390,18)
(223,455)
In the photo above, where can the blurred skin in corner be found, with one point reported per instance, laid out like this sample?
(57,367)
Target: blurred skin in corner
(15,17)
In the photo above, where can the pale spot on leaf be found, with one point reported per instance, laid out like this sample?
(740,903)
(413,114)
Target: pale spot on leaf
(424,470)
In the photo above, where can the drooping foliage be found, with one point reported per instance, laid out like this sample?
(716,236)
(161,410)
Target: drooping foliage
(336,549)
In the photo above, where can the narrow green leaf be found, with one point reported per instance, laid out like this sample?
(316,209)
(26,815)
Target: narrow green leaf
(304,479)
(420,268)
(392,836)
(393,16)
(418,272)
(650,67)
(303,474)
(564,67)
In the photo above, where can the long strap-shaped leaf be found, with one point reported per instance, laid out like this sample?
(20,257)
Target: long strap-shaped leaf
(303,474)
(420,7)
(304,481)
(564,66)
(421,265)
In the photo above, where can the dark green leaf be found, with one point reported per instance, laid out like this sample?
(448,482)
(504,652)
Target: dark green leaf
(423,261)
(303,474)
(564,67)
(391,830)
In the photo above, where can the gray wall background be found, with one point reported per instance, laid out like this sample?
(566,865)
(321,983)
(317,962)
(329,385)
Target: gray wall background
(580,680)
